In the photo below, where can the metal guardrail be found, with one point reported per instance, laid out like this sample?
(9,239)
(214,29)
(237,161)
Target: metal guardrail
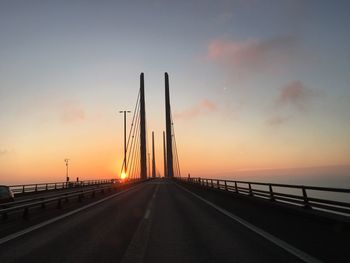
(25,205)
(30,188)
(273,193)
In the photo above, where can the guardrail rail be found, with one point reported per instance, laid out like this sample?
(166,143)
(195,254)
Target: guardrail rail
(299,195)
(31,188)
(25,205)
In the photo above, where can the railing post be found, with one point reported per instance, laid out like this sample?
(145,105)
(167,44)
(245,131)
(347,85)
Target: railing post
(306,199)
(218,184)
(236,188)
(211,182)
(55,186)
(272,198)
(225,185)
(250,189)
(23,189)
(36,188)
(46,187)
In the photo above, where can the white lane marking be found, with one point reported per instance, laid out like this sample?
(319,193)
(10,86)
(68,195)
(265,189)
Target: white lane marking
(282,244)
(50,221)
(148,212)
(150,204)
(139,242)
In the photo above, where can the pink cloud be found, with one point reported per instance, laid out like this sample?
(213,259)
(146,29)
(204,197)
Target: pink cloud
(295,94)
(251,55)
(202,108)
(72,112)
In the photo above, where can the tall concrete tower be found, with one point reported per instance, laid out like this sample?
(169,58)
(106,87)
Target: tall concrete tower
(143,153)
(169,146)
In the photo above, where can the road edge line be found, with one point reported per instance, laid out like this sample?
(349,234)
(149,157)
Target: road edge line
(275,240)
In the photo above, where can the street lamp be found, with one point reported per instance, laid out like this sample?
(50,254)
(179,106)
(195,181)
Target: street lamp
(124,163)
(67,177)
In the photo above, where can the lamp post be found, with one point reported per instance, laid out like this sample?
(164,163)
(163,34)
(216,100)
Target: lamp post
(149,165)
(124,163)
(67,177)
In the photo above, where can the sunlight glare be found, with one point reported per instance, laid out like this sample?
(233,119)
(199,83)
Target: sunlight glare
(123,175)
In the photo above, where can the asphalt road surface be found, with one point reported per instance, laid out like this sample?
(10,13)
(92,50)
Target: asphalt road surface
(157,221)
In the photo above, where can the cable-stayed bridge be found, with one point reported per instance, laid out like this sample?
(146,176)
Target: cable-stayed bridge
(175,218)
(137,147)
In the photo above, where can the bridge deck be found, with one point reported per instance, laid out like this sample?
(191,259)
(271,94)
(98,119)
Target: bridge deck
(157,221)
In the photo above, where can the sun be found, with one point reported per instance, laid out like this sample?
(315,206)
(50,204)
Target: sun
(123,175)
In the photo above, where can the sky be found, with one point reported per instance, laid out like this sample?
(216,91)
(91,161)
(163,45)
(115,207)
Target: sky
(255,86)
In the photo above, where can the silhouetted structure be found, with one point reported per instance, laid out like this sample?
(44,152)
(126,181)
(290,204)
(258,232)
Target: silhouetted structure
(164,154)
(149,165)
(125,163)
(67,177)
(153,158)
(143,153)
(170,170)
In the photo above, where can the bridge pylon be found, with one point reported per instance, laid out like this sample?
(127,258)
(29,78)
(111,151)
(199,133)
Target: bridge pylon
(168,121)
(143,154)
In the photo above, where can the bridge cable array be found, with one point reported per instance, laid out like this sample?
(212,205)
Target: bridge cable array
(177,171)
(133,145)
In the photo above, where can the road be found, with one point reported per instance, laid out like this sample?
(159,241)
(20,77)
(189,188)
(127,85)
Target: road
(157,221)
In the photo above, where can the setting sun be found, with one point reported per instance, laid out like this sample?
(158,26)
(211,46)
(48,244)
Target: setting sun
(123,175)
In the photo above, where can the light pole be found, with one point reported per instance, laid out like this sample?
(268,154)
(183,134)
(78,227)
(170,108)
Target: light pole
(66,161)
(124,112)
(149,165)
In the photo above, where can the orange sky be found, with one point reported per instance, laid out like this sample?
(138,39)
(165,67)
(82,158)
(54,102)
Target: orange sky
(253,86)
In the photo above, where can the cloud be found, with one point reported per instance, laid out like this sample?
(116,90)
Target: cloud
(292,98)
(277,120)
(72,112)
(202,108)
(6,152)
(295,94)
(3,152)
(252,55)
